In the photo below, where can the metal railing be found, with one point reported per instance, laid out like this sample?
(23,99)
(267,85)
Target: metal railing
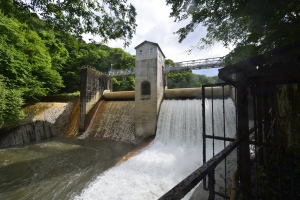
(274,176)
(120,72)
(212,191)
(179,66)
(208,167)
(272,170)
(194,64)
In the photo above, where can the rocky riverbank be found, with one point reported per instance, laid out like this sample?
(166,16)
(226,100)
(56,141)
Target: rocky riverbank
(43,120)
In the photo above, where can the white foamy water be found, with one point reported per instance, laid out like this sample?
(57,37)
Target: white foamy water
(175,153)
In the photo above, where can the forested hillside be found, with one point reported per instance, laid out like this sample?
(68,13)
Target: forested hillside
(186,79)
(39,57)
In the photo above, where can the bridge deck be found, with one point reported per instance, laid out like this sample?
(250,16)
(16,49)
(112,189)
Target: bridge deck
(174,67)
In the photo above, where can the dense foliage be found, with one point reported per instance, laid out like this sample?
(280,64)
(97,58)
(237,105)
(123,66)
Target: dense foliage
(110,19)
(42,52)
(251,26)
(124,83)
(95,55)
(26,60)
(186,79)
(10,104)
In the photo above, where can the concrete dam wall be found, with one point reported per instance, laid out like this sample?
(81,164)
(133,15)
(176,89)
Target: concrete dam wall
(175,93)
(196,92)
(119,95)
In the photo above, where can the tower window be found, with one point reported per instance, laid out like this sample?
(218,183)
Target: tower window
(146,88)
(151,50)
(141,52)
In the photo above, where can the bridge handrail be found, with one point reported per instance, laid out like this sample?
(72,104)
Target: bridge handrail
(126,71)
(201,63)
(190,63)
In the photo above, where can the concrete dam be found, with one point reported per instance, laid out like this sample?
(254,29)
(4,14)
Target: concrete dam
(175,152)
(106,158)
(174,116)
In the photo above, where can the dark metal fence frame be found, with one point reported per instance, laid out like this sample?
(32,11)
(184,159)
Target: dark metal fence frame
(211,178)
(208,167)
(263,136)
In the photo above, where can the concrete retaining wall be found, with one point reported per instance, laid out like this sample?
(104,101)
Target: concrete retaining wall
(91,90)
(44,120)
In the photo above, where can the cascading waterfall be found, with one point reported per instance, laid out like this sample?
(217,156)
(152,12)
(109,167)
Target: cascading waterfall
(175,152)
(113,120)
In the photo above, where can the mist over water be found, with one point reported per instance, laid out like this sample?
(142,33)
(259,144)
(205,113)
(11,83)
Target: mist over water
(175,152)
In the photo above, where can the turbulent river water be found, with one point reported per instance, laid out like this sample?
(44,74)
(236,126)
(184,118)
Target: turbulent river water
(68,168)
(57,168)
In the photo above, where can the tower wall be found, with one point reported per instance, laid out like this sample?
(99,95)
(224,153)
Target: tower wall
(148,69)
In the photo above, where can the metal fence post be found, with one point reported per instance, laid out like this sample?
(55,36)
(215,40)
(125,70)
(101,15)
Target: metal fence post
(243,132)
(211,184)
(203,132)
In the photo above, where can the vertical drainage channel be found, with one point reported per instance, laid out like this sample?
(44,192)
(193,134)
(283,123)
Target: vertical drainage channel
(85,134)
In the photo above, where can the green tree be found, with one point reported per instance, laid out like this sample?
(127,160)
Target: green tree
(168,61)
(124,83)
(253,26)
(95,55)
(216,79)
(122,60)
(10,104)
(25,61)
(186,79)
(57,51)
(110,19)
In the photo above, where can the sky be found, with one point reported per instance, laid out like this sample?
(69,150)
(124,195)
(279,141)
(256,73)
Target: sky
(155,25)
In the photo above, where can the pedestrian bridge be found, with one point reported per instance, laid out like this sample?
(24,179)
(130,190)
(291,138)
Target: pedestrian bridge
(174,67)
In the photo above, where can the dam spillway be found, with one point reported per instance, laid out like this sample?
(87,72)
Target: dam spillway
(113,120)
(175,152)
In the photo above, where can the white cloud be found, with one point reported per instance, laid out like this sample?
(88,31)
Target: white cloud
(155,25)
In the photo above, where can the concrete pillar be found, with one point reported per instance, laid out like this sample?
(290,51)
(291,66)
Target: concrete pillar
(243,132)
(259,120)
(165,81)
(90,93)
(108,84)
(149,88)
